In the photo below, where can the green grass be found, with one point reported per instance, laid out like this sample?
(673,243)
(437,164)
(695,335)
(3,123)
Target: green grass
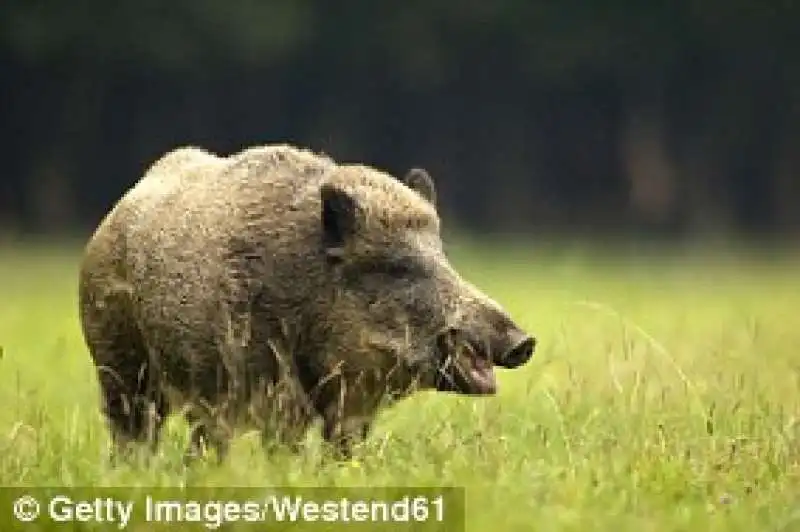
(664,395)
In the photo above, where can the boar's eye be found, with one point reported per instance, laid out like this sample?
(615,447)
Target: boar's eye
(398,269)
(392,267)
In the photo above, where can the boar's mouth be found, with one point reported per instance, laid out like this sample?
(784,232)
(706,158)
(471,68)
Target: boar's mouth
(464,367)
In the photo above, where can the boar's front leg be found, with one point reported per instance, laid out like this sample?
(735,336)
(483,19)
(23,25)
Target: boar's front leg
(290,415)
(347,411)
(344,434)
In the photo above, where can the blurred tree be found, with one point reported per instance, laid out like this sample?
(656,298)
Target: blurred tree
(675,116)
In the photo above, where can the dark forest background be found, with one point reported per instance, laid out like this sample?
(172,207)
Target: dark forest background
(673,118)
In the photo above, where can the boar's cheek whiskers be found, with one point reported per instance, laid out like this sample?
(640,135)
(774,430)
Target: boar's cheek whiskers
(403,351)
(443,370)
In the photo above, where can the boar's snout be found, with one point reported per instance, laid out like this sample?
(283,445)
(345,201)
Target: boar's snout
(480,336)
(519,350)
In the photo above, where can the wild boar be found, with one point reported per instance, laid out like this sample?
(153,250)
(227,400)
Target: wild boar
(276,286)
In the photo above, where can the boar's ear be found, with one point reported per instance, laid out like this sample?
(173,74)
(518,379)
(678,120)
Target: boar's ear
(420,181)
(338,219)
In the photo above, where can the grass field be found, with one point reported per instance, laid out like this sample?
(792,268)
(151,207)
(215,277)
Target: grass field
(664,395)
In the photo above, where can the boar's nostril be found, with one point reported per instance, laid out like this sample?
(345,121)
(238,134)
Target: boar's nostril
(519,353)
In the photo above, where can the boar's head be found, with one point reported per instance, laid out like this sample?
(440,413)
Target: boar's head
(397,298)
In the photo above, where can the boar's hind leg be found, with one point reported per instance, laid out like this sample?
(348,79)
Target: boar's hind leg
(133,405)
